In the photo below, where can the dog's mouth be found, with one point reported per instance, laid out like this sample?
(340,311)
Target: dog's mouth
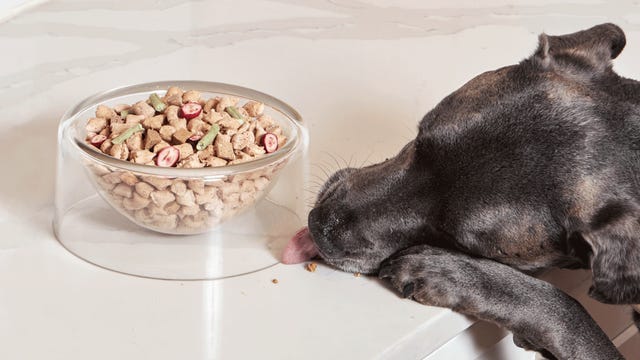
(302,248)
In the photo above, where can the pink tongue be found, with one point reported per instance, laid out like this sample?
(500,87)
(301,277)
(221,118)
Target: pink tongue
(300,248)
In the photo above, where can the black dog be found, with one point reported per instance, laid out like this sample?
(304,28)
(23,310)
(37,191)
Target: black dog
(528,167)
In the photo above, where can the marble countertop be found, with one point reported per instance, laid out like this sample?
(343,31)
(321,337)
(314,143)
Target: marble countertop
(362,73)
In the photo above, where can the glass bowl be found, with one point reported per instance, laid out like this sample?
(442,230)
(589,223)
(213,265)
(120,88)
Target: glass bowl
(173,201)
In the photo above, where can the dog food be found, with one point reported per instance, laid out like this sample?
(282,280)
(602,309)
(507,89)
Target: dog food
(183,129)
(180,205)
(311,267)
(275,281)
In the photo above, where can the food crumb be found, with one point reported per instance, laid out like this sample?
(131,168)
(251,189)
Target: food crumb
(356,274)
(275,281)
(311,267)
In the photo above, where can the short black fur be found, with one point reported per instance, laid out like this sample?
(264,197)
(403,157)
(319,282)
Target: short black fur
(524,168)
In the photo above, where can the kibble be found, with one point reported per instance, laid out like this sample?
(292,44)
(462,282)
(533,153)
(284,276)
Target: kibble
(311,267)
(239,133)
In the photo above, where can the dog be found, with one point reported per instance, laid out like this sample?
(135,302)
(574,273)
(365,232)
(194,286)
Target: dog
(528,167)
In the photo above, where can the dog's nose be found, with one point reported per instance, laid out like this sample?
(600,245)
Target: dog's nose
(322,222)
(324,219)
(317,225)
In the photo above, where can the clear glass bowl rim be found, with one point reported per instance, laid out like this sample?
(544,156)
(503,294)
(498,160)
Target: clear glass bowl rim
(297,138)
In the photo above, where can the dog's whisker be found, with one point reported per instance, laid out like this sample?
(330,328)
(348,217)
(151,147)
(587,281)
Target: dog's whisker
(410,127)
(311,192)
(344,161)
(329,167)
(350,160)
(366,159)
(318,165)
(316,177)
(321,168)
(334,159)
(310,201)
(317,182)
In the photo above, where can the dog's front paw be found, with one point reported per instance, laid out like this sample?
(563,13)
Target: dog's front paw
(423,275)
(401,274)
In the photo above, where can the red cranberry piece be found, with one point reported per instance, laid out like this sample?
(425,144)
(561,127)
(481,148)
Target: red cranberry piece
(270,142)
(167,157)
(97,140)
(191,110)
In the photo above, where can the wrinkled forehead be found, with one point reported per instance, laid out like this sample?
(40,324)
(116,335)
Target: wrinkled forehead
(486,84)
(491,88)
(485,90)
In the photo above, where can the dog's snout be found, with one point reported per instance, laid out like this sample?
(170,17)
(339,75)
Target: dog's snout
(313,221)
(325,226)
(321,222)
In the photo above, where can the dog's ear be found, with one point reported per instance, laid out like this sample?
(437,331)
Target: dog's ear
(590,49)
(615,241)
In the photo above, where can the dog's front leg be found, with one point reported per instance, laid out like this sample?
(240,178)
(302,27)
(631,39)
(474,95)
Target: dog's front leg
(541,317)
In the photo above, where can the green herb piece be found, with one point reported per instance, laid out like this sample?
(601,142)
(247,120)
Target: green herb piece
(127,134)
(233,111)
(208,138)
(157,103)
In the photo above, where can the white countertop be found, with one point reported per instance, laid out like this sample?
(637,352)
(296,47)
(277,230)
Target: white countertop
(362,73)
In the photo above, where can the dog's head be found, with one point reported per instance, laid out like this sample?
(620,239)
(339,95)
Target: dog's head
(364,215)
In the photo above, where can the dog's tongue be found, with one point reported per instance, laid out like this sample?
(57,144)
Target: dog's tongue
(300,248)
